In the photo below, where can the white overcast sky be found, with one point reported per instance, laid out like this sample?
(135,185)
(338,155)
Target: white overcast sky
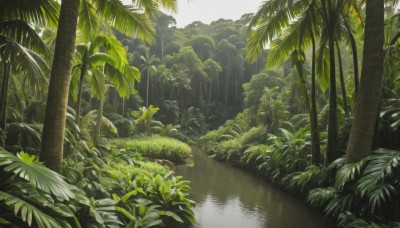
(207,11)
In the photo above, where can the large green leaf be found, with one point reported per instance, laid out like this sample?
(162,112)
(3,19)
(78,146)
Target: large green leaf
(21,32)
(40,12)
(126,18)
(88,22)
(29,212)
(98,83)
(28,168)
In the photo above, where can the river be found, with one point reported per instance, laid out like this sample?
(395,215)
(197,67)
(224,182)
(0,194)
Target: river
(228,197)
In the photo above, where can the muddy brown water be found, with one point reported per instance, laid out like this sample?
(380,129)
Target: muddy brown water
(228,197)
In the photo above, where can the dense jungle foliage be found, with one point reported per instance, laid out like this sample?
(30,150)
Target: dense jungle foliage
(99,100)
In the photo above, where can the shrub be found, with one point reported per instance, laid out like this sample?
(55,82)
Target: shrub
(157,200)
(157,147)
(229,150)
(124,127)
(119,170)
(255,135)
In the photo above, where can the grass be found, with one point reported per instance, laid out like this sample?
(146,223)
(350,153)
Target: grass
(119,170)
(155,147)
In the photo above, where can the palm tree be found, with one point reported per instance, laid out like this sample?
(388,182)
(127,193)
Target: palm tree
(368,99)
(212,69)
(291,28)
(125,18)
(123,81)
(149,67)
(286,24)
(19,44)
(90,57)
(56,109)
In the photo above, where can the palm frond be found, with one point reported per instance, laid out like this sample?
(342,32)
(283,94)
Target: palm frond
(88,23)
(382,164)
(28,168)
(291,38)
(348,173)
(29,212)
(99,59)
(40,12)
(113,47)
(126,18)
(152,7)
(320,197)
(24,59)
(268,27)
(21,32)
(26,129)
(98,83)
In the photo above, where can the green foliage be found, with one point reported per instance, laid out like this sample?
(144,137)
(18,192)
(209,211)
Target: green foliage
(192,121)
(302,182)
(144,119)
(121,170)
(123,125)
(33,195)
(228,150)
(363,190)
(256,135)
(156,200)
(157,147)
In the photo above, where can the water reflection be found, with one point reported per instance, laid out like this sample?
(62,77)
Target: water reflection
(229,197)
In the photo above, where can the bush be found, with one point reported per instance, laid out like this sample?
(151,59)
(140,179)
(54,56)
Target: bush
(123,125)
(157,147)
(229,150)
(119,170)
(157,200)
(255,135)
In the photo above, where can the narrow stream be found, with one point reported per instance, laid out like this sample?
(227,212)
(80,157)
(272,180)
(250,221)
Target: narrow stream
(231,198)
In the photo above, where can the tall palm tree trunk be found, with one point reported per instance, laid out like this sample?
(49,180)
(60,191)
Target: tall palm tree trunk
(210,92)
(332,148)
(342,84)
(123,107)
(315,144)
(79,97)
(3,101)
(366,111)
(98,122)
(147,87)
(226,82)
(355,57)
(57,100)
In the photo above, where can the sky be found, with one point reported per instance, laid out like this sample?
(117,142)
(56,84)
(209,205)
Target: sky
(207,11)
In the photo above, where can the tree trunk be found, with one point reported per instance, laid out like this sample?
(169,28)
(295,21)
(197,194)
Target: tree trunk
(366,111)
(332,148)
(57,100)
(226,82)
(210,92)
(342,84)
(123,107)
(315,144)
(162,47)
(217,86)
(147,88)
(98,122)
(201,97)
(355,58)
(79,98)
(3,101)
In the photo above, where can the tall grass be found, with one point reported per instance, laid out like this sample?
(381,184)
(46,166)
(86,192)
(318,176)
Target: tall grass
(156,147)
